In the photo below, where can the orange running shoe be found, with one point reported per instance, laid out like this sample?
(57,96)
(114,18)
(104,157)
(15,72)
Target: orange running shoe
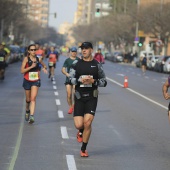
(84,153)
(70,111)
(79,137)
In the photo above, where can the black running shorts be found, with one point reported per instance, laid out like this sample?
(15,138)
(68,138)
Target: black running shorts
(28,84)
(85,105)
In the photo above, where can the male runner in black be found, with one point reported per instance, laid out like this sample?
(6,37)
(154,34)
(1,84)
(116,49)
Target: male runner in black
(87,74)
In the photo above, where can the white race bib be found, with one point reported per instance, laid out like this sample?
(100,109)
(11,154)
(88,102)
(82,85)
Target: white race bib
(85,85)
(33,76)
(51,63)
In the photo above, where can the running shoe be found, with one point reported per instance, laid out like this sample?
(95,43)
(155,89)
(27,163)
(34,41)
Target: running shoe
(27,114)
(84,153)
(70,111)
(79,137)
(31,119)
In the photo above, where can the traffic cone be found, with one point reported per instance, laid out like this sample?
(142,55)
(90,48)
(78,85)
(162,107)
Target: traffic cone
(125,82)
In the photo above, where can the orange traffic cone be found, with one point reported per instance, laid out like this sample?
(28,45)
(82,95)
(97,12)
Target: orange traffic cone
(125,82)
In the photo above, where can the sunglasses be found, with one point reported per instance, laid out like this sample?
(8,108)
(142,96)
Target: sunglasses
(33,50)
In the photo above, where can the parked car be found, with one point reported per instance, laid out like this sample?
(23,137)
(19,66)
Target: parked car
(108,55)
(151,63)
(117,56)
(160,63)
(146,53)
(138,62)
(15,53)
(166,66)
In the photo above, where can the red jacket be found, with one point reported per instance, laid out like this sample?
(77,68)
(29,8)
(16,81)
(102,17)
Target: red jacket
(99,57)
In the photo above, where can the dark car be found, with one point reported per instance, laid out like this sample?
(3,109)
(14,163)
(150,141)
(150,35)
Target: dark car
(117,56)
(160,63)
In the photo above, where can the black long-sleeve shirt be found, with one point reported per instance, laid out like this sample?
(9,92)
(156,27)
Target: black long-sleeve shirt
(85,68)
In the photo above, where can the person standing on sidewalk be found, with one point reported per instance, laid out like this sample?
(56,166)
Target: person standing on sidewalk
(86,74)
(65,70)
(144,64)
(31,82)
(99,56)
(166,95)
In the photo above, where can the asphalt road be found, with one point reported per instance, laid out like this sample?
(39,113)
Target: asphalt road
(131,130)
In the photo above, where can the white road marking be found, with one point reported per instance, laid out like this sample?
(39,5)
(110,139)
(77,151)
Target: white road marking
(54,82)
(146,77)
(138,74)
(18,142)
(165,107)
(121,75)
(55,87)
(56,93)
(115,131)
(155,80)
(57,102)
(71,162)
(60,114)
(64,133)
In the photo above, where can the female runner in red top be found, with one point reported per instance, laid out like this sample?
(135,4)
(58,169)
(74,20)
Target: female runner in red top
(31,70)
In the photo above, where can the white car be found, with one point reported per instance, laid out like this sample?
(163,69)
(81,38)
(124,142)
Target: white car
(166,67)
(152,62)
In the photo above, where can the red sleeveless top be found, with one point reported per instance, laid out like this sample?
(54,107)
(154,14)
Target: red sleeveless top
(33,74)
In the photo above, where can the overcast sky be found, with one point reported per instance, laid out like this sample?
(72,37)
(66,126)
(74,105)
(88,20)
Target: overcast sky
(65,10)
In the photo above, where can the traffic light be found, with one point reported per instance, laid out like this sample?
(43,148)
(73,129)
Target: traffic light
(141,41)
(98,10)
(97,13)
(140,44)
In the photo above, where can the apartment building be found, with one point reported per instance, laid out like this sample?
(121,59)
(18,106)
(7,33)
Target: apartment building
(36,10)
(89,10)
(147,2)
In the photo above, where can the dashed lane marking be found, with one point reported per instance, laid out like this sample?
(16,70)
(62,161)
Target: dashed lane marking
(58,102)
(60,114)
(71,162)
(56,93)
(138,94)
(64,133)
(155,80)
(54,87)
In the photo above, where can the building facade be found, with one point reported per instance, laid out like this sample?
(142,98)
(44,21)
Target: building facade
(36,10)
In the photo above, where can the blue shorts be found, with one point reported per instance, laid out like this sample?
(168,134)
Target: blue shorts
(28,84)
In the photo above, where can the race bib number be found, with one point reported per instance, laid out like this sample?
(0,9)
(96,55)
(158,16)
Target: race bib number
(33,76)
(51,63)
(1,59)
(85,85)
